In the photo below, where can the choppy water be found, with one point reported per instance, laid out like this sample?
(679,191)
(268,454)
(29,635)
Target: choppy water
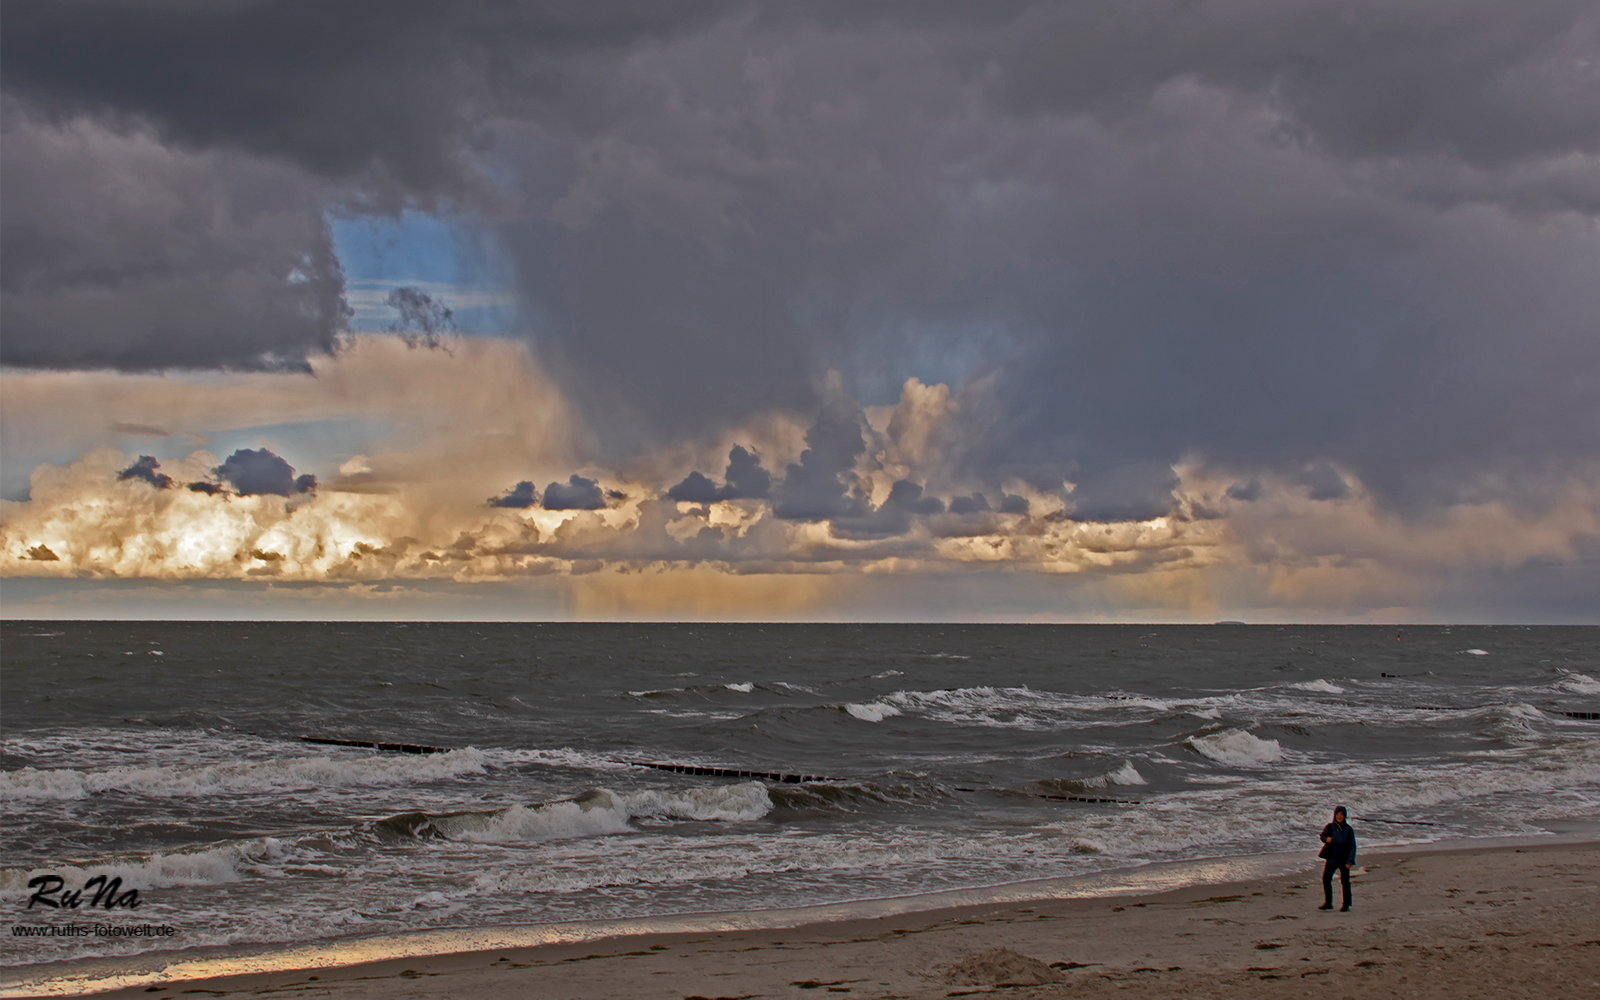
(169,755)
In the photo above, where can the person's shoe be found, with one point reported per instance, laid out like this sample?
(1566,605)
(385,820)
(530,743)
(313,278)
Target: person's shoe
(1343,909)
(1325,906)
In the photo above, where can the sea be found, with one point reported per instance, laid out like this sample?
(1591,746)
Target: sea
(261,785)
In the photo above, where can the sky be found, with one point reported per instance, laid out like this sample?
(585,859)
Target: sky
(1147,310)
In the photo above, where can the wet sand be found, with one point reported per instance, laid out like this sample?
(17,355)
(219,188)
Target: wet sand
(1496,922)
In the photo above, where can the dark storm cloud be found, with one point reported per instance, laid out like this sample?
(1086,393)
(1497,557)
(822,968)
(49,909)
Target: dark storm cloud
(258,472)
(1258,235)
(167,165)
(1128,493)
(1013,504)
(116,251)
(1246,492)
(577,493)
(423,319)
(977,503)
(821,485)
(892,517)
(1254,240)
(745,479)
(695,488)
(389,88)
(519,497)
(147,469)
(1472,78)
(1323,482)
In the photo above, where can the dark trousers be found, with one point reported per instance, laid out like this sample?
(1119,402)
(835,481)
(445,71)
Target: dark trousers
(1327,882)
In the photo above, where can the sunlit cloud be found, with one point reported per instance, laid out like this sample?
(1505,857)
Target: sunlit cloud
(478,482)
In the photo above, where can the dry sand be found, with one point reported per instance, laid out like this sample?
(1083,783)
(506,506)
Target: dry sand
(1505,922)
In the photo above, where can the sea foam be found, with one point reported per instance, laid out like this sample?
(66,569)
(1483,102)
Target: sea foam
(277,775)
(596,813)
(213,866)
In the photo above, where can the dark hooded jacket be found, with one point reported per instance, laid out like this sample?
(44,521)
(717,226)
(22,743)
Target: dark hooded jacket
(1341,846)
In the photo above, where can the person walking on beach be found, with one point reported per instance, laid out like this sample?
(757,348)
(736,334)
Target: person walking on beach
(1339,852)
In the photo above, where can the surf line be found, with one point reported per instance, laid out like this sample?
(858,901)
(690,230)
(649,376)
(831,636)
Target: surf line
(716,772)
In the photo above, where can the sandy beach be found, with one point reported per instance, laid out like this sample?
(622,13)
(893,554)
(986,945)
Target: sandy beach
(1474,922)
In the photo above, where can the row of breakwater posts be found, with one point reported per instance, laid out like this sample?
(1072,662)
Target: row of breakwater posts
(782,778)
(729,772)
(777,777)
(369,745)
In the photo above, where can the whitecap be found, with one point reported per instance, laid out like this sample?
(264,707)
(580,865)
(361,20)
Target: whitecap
(213,866)
(601,812)
(1578,684)
(744,688)
(1476,652)
(1236,748)
(252,776)
(1127,774)
(593,814)
(1319,685)
(723,803)
(874,712)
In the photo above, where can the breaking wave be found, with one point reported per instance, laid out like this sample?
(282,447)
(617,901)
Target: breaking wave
(1320,686)
(1236,748)
(224,863)
(596,813)
(1126,774)
(284,774)
(875,711)
(1578,684)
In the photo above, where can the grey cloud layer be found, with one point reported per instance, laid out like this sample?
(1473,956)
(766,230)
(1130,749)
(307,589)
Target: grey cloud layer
(118,251)
(1269,235)
(392,89)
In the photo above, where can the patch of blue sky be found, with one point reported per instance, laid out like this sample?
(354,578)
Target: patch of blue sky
(951,353)
(16,471)
(453,262)
(316,446)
